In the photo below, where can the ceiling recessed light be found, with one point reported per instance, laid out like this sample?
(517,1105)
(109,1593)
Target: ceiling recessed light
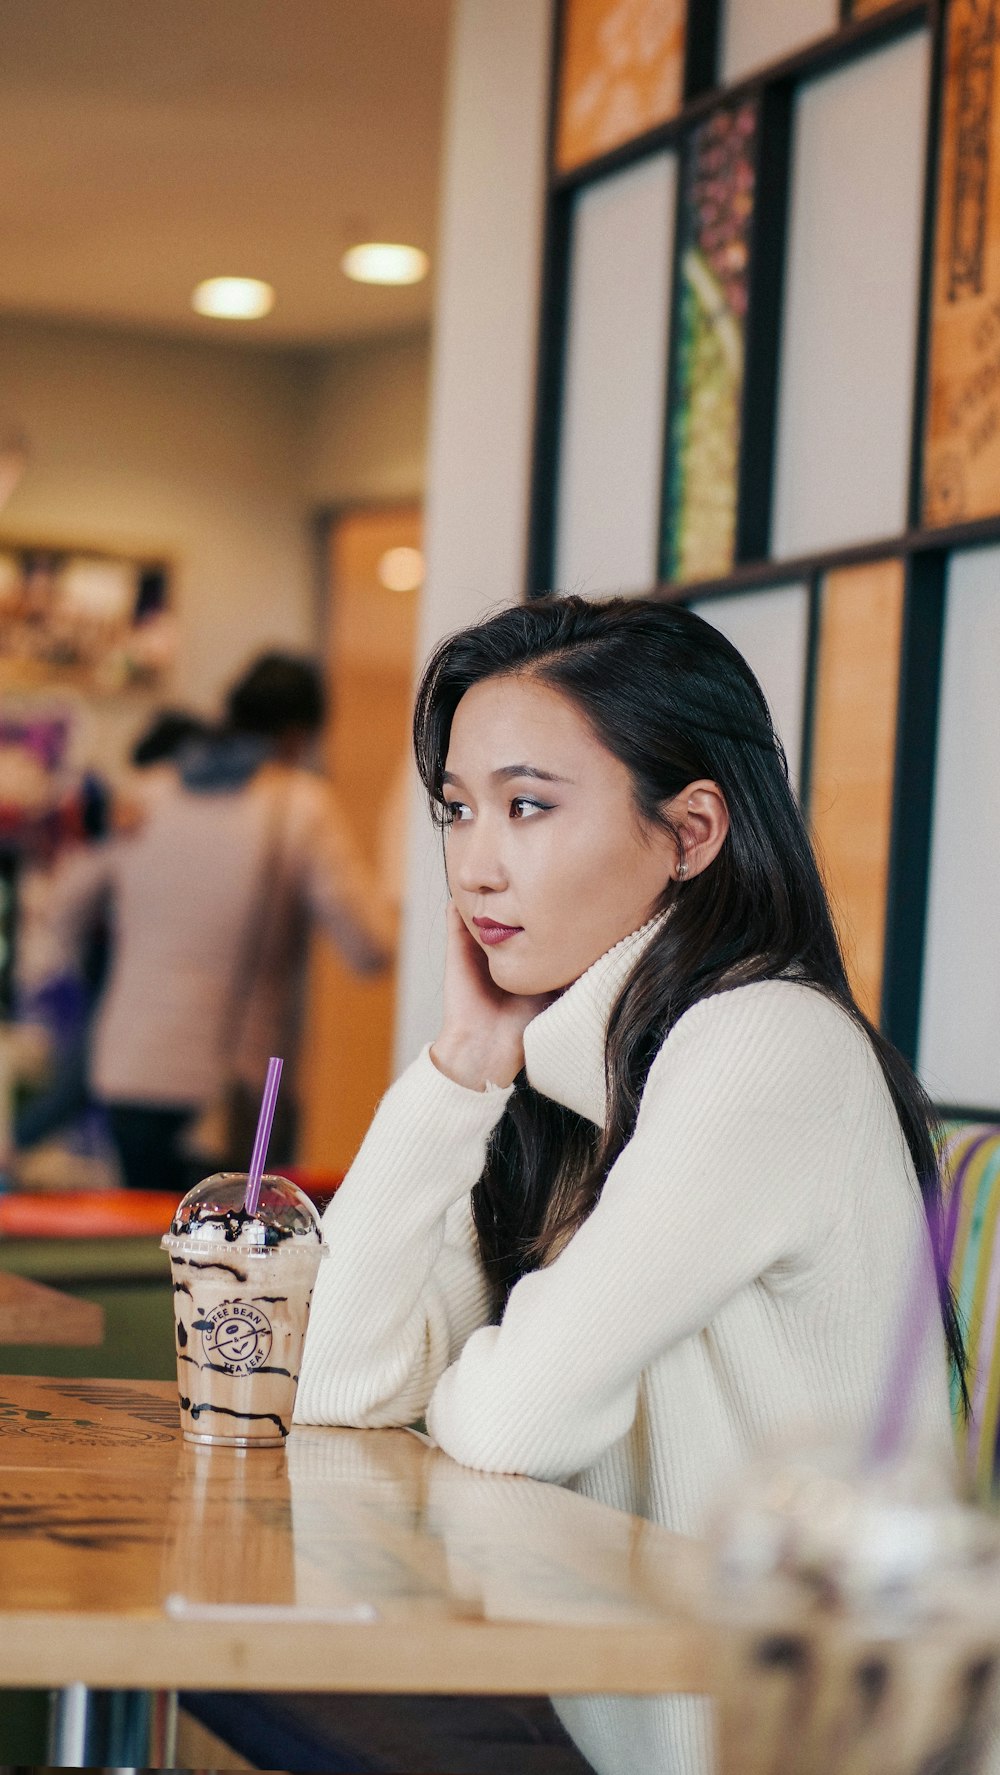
(233,298)
(383,262)
(401,570)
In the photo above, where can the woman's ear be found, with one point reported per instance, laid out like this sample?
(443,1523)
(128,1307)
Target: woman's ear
(701,818)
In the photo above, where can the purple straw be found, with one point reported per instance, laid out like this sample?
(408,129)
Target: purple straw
(921,1312)
(263,1134)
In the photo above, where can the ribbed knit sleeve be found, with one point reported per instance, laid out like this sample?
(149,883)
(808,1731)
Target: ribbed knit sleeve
(402,1287)
(731,1176)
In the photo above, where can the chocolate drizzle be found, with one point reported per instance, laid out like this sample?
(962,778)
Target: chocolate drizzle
(223,1368)
(227,1412)
(208,1263)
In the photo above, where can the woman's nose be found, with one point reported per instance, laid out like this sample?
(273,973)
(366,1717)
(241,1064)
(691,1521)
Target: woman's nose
(475,863)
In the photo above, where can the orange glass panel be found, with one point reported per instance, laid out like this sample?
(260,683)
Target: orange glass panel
(854,755)
(622,73)
(962,446)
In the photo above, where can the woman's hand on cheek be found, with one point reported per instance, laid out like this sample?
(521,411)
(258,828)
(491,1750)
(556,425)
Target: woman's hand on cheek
(482,1027)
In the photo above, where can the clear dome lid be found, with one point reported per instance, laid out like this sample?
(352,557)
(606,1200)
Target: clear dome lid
(214,1212)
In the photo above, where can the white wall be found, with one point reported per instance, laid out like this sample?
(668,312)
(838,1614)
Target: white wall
(368,439)
(482,388)
(215,457)
(193,450)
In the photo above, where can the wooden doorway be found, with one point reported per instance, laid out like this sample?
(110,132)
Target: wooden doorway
(347,1051)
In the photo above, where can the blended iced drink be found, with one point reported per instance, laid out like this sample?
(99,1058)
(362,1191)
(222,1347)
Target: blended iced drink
(859,1623)
(243,1285)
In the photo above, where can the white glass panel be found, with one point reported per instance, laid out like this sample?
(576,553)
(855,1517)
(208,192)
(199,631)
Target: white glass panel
(771,630)
(753,32)
(960,1012)
(849,335)
(608,511)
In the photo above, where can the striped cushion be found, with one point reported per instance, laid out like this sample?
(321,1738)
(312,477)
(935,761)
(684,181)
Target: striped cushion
(970,1153)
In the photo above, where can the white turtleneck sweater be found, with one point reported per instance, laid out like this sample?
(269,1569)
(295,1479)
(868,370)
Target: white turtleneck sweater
(742,1275)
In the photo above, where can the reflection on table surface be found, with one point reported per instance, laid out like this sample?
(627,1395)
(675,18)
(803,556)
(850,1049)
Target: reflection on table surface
(361,1559)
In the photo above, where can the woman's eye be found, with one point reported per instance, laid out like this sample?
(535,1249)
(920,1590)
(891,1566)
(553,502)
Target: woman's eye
(455,811)
(522,807)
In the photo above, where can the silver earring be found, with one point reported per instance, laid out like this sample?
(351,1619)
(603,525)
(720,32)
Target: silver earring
(682,869)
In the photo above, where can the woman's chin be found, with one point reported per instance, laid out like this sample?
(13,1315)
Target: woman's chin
(521,977)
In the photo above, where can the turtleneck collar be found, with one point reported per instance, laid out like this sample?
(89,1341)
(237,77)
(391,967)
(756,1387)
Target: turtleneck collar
(564,1045)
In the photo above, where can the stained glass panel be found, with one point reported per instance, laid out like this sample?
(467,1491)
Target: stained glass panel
(771,630)
(959,1053)
(853,760)
(852,286)
(611,436)
(962,455)
(752,33)
(622,73)
(707,381)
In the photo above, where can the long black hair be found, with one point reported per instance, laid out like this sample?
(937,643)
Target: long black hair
(674,701)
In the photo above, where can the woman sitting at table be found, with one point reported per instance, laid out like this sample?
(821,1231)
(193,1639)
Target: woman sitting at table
(650,1199)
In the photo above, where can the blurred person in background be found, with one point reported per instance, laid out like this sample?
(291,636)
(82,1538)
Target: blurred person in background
(59,990)
(211,897)
(167,734)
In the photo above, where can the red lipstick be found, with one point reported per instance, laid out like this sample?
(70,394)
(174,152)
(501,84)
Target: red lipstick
(491,933)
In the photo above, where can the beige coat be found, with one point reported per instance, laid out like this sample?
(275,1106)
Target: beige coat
(211,900)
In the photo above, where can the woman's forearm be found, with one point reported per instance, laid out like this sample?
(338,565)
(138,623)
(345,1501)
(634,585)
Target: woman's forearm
(401,1287)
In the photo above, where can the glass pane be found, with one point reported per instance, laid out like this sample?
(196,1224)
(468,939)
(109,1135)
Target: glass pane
(622,73)
(851,296)
(962,450)
(704,445)
(854,755)
(959,1054)
(752,32)
(771,630)
(611,449)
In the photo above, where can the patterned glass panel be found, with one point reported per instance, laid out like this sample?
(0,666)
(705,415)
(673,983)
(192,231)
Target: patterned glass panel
(962,454)
(704,444)
(854,755)
(622,73)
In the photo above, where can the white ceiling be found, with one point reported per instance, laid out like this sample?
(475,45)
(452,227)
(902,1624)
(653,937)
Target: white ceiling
(146,144)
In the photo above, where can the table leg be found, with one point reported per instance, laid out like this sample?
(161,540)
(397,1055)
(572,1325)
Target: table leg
(112,1728)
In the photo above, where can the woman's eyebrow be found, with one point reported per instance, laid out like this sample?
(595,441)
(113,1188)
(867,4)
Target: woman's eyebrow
(506,772)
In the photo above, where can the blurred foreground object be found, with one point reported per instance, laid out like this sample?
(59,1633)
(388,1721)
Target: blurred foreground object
(859,1620)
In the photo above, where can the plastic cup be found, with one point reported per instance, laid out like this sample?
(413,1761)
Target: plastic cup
(858,1622)
(243,1285)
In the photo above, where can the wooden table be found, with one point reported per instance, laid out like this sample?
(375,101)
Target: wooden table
(360,1560)
(30,1313)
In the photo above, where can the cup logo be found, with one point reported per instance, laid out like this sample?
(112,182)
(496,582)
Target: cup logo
(237,1337)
